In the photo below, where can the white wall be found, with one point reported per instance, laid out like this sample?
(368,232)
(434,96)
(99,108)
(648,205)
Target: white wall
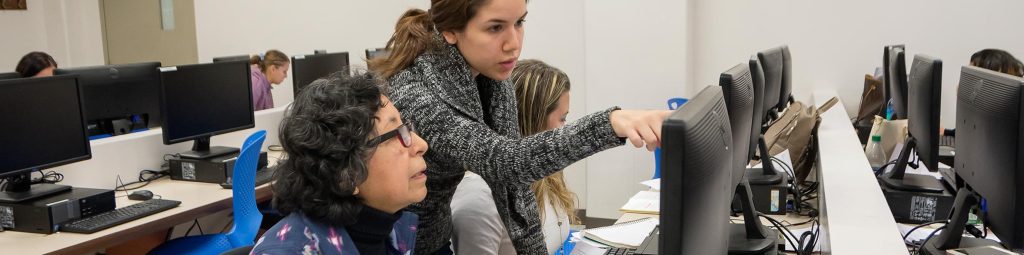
(636,58)
(70,31)
(834,43)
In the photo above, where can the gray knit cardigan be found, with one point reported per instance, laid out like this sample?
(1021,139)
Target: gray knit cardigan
(438,94)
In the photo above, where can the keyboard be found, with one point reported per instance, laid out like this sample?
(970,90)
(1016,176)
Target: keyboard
(619,251)
(263,176)
(949,141)
(118,216)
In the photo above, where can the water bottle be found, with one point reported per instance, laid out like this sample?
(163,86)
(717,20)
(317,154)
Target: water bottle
(876,157)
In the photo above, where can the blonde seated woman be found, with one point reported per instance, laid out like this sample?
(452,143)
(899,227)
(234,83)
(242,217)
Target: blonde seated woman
(542,93)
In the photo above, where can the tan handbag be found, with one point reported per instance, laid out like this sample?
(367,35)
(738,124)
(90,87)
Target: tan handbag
(796,130)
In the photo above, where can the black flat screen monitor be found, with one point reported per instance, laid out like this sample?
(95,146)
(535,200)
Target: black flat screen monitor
(119,99)
(990,148)
(738,91)
(204,100)
(923,122)
(757,77)
(11,75)
(775,64)
(896,80)
(697,160)
(43,127)
(308,68)
(231,58)
(374,53)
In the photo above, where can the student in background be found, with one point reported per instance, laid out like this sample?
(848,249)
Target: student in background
(995,60)
(542,93)
(999,61)
(270,68)
(352,166)
(36,64)
(448,71)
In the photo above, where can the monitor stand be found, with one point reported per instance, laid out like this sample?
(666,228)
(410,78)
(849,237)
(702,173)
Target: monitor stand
(201,149)
(951,237)
(766,175)
(897,178)
(750,237)
(20,189)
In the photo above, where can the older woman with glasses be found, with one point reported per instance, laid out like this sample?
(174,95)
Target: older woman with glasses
(352,166)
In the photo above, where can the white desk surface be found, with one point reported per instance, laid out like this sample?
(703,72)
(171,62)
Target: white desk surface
(856,215)
(197,199)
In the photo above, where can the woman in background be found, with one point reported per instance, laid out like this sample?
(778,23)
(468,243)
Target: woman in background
(36,64)
(270,68)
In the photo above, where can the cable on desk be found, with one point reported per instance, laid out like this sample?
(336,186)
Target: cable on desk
(921,226)
(882,168)
(145,177)
(929,238)
(784,230)
(48,177)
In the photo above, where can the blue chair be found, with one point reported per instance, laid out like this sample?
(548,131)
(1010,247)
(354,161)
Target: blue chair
(673,103)
(247,217)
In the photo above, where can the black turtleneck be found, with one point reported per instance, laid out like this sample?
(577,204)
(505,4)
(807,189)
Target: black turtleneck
(371,231)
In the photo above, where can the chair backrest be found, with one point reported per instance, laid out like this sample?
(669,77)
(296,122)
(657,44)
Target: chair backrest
(243,182)
(673,103)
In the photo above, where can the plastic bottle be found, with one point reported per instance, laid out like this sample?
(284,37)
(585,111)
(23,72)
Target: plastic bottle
(876,157)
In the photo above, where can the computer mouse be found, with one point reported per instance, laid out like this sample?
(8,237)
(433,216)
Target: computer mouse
(141,195)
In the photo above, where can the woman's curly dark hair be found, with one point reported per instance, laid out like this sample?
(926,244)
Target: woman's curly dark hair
(325,134)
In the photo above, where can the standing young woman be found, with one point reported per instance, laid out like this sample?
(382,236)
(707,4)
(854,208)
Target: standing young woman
(447,71)
(542,92)
(267,69)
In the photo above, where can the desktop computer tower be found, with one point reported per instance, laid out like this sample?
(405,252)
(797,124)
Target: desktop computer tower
(43,215)
(918,207)
(211,170)
(770,198)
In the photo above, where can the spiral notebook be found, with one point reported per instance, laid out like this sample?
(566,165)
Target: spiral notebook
(627,234)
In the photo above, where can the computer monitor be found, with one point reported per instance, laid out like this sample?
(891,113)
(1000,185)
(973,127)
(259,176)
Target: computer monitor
(43,127)
(231,58)
(308,68)
(738,92)
(374,53)
(989,159)
(698,163)
(11,75)
(925,90)
(777,85)
(766,175)
(737,84)
(204,100)
(896,80)
(119,98)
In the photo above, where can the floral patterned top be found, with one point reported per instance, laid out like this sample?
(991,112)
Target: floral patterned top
(297,234)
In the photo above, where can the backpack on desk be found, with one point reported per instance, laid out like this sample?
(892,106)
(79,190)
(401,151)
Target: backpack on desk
(796,130)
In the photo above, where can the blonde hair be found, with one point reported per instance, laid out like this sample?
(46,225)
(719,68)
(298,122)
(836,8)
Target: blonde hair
(271,57)
(538,87)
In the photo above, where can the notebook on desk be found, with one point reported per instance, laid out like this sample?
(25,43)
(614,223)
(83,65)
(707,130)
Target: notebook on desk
(628,234)
(644,202)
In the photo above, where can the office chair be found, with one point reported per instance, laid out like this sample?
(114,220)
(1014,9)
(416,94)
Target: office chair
(673,103)
(247,217)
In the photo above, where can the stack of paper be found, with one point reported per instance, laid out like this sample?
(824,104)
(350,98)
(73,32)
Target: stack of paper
(627,234)
(646,202)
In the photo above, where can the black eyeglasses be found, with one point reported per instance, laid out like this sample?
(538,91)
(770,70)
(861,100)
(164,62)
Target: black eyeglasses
(403,132)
